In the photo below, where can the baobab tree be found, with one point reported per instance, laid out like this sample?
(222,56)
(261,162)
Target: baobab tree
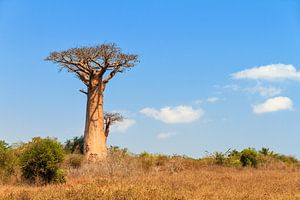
(111,119)
(95,67)
(76,145)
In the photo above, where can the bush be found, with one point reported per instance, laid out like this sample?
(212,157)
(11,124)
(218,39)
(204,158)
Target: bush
(40,160)
(234,158)
(266,151)
(4,145)
(249,157)
(286,159)
(59,176)
(117,150)
(148,160)
(7,161)
(75,145)
(219,158)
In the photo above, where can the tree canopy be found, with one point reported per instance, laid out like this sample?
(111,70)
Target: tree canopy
(89,63)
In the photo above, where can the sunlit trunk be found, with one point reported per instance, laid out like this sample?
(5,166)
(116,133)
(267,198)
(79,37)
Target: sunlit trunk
(94,135)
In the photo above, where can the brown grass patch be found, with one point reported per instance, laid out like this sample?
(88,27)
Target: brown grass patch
(207,182)
(146,176)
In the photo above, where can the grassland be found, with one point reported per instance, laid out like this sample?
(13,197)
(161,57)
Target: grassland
(159,177)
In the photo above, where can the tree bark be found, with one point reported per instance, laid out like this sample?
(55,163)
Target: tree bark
(94,135)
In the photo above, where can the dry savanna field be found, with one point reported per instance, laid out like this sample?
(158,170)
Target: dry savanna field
(148,176)
(204,183)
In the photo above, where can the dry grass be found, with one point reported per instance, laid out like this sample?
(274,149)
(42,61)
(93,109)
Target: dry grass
(205,183)
(125,177)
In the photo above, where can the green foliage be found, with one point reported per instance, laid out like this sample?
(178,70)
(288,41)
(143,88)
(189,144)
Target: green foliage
(4,145)
(220,158)
(59,176)
(40,160)
(249,157)
(118,150)
(266,151)
(7,161)
(228,158)
(149,160)
(286,159)
(75,145)
(145,154)
(234,158)
(234,153)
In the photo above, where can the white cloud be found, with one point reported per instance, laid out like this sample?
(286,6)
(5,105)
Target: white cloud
(162,136)
(273,105)
(179,114)
(124,125)
(264,91)
(212,99)
(269,72)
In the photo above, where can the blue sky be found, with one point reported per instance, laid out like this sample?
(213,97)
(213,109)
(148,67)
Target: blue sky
(196,88)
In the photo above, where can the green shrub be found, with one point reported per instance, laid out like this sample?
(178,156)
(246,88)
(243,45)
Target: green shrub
(4,145)
(144,154)
(286,159)
(149,160)
(266,151)
(113,150)
(7,161)
(234,153)
(234,157)
(249,157)
(219,158)
(59,176)
(75,145)
(40,161)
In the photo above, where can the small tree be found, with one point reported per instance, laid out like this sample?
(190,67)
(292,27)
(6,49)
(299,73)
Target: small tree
(249,157)
(75,145)
(266,151)
(95,67)
(111,119)
(7,161)
(40,160)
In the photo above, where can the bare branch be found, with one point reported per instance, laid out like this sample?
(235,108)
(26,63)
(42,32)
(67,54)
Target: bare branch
(97,63)
(111,119)
(93,62)
(112,74)
(123,62)
(84,92)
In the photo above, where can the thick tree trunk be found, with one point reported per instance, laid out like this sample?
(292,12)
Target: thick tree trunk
(94,135)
